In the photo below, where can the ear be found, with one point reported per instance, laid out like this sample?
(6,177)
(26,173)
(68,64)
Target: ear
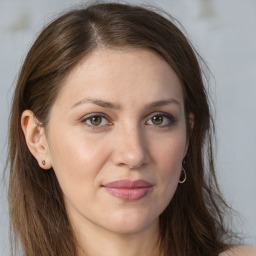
(191,121)
(36,139)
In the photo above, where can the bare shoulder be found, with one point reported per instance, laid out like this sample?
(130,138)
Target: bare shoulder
(240,251)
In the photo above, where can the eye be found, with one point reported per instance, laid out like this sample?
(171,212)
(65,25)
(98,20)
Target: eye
(96,120)
(161,119)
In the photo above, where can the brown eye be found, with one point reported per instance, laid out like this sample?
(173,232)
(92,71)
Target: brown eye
(157,120)
(96,120)
(161,120)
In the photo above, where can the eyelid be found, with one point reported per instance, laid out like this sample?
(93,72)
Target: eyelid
(96,114)
(171,118)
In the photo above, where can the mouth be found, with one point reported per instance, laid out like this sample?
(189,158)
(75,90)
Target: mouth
(128,190)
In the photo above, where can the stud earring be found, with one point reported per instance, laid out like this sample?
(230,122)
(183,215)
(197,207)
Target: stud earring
(43,162)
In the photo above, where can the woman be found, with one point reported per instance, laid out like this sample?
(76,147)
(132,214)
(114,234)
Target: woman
(110,141)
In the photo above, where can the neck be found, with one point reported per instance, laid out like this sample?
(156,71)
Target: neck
(94,241)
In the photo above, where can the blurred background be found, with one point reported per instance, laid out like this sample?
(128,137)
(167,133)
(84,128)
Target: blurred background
(223,32)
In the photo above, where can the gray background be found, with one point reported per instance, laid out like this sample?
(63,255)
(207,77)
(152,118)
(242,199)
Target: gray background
(223,31)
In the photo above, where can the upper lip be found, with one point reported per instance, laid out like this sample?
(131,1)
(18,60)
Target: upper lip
(128,184)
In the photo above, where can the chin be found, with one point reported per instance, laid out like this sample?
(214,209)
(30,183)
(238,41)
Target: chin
(130,222)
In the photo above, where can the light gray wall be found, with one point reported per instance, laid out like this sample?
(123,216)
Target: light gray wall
(224,32)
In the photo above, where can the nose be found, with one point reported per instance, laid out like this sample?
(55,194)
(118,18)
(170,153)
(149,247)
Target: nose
(130,148)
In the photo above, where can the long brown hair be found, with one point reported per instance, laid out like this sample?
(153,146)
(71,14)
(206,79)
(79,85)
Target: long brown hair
(193,221)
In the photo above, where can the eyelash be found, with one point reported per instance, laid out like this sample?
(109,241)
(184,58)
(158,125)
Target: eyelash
(97,115)
(165,117)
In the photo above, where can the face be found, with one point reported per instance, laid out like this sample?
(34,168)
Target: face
(116,138)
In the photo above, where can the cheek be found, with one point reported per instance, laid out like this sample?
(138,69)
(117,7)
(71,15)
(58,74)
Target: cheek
(169,158)
(76,160)
(169,152)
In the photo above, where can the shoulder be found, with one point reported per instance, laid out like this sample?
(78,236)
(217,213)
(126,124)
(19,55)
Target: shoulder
(240,251)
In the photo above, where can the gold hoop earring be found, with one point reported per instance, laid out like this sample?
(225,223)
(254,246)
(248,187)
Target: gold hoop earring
(184,175)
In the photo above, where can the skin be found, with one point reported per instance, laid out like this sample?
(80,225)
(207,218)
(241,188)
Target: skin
(126,143)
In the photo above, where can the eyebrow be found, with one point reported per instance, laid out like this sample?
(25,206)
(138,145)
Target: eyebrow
(107,104)
(162,103)
(101,103)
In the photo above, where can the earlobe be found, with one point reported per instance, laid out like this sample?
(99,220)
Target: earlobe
(36,139)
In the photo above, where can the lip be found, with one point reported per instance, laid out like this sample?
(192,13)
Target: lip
(128,190)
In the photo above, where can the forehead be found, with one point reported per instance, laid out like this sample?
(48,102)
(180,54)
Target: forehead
(120,76)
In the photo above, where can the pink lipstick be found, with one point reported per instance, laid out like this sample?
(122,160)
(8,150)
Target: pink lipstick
(128,190)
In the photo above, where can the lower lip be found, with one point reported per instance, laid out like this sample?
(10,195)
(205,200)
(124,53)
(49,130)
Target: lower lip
(129,194)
